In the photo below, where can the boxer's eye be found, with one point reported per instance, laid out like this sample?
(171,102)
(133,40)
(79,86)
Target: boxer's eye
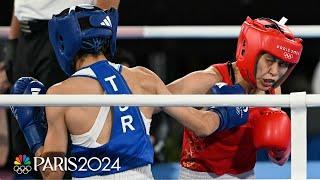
(284,64)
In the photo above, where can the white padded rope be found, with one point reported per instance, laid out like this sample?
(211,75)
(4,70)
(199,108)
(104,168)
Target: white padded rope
(298,102)
(176,32)
(312,100)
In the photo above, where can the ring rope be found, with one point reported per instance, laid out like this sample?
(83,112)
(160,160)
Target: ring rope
(176,32)
(297,101)
(312,100)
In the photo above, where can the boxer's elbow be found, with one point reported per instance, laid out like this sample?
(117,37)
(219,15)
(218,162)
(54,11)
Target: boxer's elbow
(174,88)
(204,132)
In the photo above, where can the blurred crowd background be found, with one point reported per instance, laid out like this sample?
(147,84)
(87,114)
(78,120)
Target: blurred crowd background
(174,58)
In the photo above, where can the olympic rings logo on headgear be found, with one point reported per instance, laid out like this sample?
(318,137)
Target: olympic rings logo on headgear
(288,55)
(22,169)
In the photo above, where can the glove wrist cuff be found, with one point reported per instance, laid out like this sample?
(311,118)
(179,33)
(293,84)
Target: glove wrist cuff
(222,120)
(34,135)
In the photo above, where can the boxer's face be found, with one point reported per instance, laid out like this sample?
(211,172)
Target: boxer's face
(269,70)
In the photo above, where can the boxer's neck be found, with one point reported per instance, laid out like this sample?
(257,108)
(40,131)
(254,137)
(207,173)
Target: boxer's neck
(88,60)
(239,80)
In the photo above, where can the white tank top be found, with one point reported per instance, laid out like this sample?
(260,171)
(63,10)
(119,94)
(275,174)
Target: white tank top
(89,139)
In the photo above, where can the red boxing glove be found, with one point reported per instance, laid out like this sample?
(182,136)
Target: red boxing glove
(272,130)
(279,156)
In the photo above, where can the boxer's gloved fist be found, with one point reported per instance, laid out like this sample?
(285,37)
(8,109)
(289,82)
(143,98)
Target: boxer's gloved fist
(279,156)
(229,116)
(272,130)
(31,120)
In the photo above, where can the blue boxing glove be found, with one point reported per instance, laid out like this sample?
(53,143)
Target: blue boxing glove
(229,116)
(31,120)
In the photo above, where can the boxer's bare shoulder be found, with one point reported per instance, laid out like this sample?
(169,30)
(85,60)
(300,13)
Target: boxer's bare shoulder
(143,80)
(76,85)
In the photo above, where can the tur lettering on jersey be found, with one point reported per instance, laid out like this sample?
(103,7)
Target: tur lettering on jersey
(126,120)
(129,145)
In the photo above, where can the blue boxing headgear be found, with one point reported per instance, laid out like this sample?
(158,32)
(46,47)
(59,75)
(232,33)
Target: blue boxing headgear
(84,27)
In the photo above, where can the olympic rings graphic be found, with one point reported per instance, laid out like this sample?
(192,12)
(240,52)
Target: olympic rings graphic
(288,55)
(22,169)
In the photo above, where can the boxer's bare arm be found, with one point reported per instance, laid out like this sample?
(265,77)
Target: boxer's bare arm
(4,137)
(107,4)
(56,140)
(203,123)
(14,30)
(198,82)
(278,90)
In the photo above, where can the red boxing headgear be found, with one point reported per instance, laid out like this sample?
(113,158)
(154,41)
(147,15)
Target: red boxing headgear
(264,35)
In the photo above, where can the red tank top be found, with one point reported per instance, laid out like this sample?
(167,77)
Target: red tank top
(227,152)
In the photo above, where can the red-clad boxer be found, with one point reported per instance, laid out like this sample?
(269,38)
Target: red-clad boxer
(267,52)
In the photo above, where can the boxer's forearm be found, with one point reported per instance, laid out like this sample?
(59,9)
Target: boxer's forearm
(47,173)
(4,138)
(39,152)
(14,30)
(202,123)
(107,4)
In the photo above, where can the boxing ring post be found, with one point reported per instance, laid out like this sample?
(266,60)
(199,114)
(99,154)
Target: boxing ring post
(298,135)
